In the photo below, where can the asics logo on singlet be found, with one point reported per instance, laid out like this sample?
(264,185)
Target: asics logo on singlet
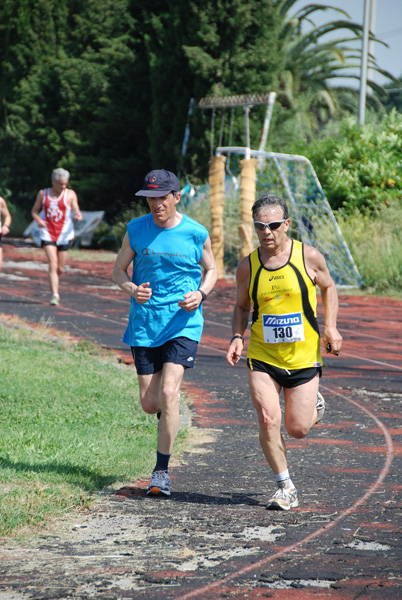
(276,277)
(282,320)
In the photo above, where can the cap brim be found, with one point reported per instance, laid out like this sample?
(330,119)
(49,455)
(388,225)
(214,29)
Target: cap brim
(154,193)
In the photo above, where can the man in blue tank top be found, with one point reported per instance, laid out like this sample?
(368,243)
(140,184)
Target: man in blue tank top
(167,250)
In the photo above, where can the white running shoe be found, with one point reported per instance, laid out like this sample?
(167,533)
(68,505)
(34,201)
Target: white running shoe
(55,300)
(320,406)
(283,499)
(160,484)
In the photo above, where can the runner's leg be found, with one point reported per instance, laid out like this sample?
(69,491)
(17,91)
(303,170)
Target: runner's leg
(300,408)
(159,392)
(150,386)
(172,375)
(51,255)
(61,261)
(265,396)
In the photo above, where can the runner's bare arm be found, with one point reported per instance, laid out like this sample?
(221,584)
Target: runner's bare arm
(5,213)
(37,207)
(318,271)
(193,299)
(241,312)
(74,205)
(142,292)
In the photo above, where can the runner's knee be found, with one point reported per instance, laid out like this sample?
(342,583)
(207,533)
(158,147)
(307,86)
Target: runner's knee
(149,404)
(150,408)
(297,430)
(268,421)
(170,396)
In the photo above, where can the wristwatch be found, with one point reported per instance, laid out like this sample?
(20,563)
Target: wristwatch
(237,336)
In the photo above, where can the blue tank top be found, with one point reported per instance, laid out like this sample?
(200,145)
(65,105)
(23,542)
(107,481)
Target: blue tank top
(168,259)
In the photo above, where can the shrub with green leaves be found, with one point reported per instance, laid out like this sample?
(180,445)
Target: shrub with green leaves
(360,167)
(375,242)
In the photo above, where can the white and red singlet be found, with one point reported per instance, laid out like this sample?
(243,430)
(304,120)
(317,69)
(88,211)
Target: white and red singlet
(57,215)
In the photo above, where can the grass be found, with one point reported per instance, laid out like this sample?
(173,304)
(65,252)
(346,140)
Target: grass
(376,246)
(92,255)
(72,425)
(76,254)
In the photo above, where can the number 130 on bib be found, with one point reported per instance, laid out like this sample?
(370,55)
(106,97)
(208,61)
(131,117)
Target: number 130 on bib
(283,328)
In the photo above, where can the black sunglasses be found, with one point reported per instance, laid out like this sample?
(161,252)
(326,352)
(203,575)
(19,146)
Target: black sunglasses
(272,226)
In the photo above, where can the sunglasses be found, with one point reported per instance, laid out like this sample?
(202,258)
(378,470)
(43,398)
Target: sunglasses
(272,226)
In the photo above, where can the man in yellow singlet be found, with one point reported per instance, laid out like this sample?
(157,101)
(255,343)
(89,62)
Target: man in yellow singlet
(278,280)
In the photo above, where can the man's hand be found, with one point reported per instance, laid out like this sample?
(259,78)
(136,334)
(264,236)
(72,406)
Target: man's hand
(142,293)
(332,340)
(234,353)
(191,301)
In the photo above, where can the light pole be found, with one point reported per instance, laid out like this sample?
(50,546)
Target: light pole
(372,30)
(364,61)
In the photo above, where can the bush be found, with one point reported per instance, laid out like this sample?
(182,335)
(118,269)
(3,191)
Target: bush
(119,228)
(360,167)
(375,242)
(19,222)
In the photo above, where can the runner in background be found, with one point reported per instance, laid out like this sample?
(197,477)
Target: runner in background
(279,281)
(60,206)
(5,227)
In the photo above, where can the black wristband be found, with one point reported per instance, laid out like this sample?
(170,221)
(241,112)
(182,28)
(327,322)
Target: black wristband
(237,336)
(203,294)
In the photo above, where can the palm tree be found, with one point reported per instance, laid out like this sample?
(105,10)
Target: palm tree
(313,58)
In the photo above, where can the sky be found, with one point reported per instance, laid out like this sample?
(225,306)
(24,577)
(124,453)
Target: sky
(388,28)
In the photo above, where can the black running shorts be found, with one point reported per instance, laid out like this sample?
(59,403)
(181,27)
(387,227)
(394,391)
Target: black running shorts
(180,351)
(60,248)
(285,378)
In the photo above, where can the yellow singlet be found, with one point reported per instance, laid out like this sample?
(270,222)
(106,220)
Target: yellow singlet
(284,329)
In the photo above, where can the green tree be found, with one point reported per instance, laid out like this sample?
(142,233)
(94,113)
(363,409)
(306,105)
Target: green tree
(314,58)
(393,95)
(71,99)
(102,87)
(194,49)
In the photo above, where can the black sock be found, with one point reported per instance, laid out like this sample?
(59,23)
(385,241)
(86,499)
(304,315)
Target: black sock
(162,461)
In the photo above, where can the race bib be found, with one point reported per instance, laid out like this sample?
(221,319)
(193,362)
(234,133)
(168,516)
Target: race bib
(283,328)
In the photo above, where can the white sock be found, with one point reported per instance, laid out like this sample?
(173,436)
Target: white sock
(282,476)
(285,477)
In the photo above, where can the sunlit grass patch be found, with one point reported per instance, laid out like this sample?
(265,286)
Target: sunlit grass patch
(72,425)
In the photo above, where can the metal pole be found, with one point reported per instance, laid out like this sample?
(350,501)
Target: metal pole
(372,26)
(267,121)
(363,70)
(247,131)
(187,130)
